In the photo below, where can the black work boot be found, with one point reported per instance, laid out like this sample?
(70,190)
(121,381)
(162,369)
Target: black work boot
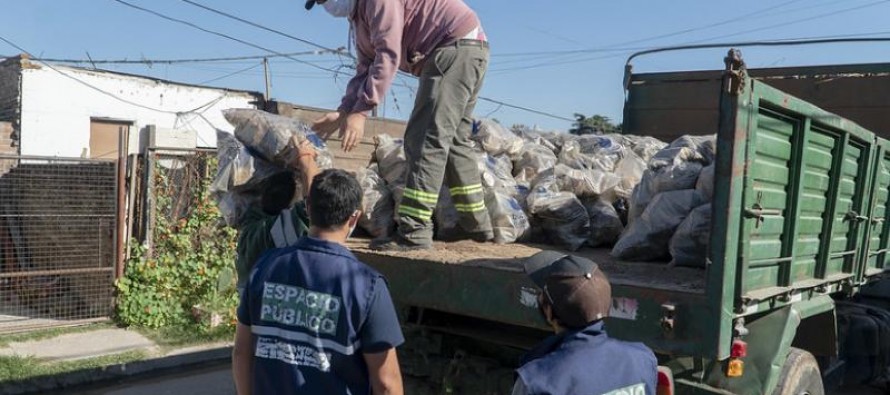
(399,243)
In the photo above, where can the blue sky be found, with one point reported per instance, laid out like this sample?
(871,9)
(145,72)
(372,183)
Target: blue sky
(519,30)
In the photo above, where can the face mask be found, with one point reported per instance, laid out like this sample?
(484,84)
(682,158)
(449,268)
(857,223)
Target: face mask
(352,229)
(339,8)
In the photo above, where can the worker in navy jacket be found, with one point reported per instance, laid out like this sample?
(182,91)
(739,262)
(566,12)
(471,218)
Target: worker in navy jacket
(580,359)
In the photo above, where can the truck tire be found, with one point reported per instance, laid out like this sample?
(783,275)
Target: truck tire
(800,375)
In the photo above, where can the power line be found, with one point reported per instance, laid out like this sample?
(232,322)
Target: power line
(180,61)
(615,47)
(223,35)
(759,44)
(112,95)
(794,22)
(259,26)
(546,114)
(828,39)
(336,72)
(232,74)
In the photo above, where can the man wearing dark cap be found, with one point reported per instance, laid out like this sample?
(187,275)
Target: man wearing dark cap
(580,359)
(443,44)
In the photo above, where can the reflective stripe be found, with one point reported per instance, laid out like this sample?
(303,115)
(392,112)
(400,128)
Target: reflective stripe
(305,338)
(467,190)
(415,212)
(283,232)
(470,208)
(421,196)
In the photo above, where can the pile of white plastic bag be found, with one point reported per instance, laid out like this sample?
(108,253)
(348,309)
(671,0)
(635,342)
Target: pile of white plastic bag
(567,190)
(260,147)
(670,208)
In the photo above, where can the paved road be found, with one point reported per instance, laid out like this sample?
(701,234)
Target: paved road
(214,380)
(217,380)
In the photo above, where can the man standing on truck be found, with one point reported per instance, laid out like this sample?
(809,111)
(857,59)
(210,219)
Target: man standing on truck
(441,42)
(580,358)
(313,319)
(278,222)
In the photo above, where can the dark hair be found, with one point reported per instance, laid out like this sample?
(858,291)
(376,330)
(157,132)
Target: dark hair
(278,192)
(335,195)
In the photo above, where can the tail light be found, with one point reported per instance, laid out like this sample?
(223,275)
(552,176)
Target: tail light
(735,367)
(665,385)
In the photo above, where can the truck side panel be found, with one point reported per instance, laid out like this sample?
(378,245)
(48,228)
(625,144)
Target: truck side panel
(668,105)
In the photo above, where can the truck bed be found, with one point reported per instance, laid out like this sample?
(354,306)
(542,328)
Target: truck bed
(507,257)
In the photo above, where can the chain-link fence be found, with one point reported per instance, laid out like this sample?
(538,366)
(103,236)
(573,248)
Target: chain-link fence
(58,222)
(171,179)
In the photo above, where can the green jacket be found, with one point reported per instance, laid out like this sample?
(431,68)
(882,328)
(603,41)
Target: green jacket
(261,232)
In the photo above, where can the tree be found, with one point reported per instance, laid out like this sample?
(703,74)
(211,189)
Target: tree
(596,124)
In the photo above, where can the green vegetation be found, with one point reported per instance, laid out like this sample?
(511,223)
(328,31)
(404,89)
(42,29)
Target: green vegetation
(20,368)
(50,333)
(187,276)
(596,124)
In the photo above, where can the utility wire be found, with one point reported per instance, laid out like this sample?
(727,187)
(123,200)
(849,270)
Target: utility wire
(336,72)
(546,114)
(232,74)
(180,61)
(223,35)
(259,26)
(794,22)
(112,95)
(616,48)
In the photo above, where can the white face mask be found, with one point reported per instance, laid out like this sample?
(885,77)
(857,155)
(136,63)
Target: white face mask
(339,8)
(352,228)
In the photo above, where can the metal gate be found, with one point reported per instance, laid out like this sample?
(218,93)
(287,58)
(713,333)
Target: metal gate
(58,241)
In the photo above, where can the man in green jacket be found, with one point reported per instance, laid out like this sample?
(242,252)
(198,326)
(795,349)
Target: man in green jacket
(278,222)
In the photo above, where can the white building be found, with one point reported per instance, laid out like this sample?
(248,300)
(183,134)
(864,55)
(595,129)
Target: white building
(74,112)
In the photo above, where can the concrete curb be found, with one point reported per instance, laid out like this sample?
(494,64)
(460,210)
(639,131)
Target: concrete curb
(114,372)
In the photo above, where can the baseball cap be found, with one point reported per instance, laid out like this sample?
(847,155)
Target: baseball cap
(578,290)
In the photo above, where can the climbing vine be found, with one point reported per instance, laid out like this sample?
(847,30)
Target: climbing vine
(186,276)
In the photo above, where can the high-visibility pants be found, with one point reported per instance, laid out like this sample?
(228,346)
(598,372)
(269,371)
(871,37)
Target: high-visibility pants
(437,142)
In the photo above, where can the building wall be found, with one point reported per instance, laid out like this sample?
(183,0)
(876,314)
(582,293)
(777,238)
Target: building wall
(56,110)
(9,89)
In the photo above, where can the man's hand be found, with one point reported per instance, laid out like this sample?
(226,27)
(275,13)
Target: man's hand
(327,125)
(306,155)
(352,130)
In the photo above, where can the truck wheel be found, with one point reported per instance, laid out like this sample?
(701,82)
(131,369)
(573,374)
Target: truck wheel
(800,375)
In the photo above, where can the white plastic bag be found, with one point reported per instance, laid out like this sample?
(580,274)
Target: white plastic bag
(446,218)
(508,221)
(377,204)
(592,152)
(496,139)
(496,171)
(561,216)
(629,171)
(605,224)
(237,169)
(533,159)
(269,136)
(389,153)
(689,245)
(705,183)
(647,238)
(586,182)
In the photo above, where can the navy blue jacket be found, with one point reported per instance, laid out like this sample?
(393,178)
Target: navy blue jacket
(314,310)
(588,362)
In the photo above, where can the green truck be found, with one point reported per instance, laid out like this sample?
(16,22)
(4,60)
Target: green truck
(799,228)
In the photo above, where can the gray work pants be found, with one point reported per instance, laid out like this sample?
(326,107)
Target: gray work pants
(437,142)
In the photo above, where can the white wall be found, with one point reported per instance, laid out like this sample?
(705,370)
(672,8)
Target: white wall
(56,110)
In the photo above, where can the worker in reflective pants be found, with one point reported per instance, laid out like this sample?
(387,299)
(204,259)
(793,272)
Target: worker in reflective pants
(441,42)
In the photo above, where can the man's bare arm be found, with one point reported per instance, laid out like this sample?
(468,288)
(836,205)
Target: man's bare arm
(384,372)
(242,360)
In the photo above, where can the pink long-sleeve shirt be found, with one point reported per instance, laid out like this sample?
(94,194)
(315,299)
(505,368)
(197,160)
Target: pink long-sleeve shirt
(392,35)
